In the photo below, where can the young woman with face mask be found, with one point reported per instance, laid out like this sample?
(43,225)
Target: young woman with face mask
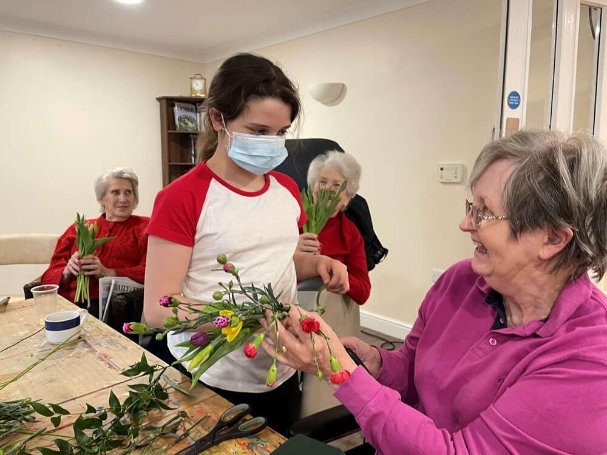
(233,203)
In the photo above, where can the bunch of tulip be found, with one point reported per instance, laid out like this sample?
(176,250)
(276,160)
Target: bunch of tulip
(87,243)
(319,207)
(230,322)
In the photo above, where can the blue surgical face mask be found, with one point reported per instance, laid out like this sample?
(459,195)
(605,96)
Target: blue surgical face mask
(256,154)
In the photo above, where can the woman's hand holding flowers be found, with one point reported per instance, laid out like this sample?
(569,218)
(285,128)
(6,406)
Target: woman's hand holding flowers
(308,243)
(311,346)
(91,265)
(72,267)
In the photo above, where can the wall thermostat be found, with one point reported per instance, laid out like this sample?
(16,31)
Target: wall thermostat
(450,172)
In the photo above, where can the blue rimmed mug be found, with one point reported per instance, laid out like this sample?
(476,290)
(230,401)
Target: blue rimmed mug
(62,325)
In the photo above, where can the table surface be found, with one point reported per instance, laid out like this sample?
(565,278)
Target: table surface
(86,371)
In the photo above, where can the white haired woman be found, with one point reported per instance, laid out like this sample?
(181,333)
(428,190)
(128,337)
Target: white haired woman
(117,192)
(340,238)
(508,354)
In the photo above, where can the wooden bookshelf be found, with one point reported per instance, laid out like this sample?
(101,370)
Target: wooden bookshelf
(178,154)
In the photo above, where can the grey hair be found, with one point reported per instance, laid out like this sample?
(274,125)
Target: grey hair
(344,163)
(559,181)
(117,173)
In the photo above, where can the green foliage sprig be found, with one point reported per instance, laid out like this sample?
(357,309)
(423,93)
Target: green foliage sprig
(120,426)
(87,243)
(320,210)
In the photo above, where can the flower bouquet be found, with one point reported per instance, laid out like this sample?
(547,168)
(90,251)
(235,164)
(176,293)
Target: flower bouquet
(230,322)
(87,242)
(319,209)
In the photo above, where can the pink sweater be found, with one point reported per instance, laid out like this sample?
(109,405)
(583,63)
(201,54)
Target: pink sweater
(457,386)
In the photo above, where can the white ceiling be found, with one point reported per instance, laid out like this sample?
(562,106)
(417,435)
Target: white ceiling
(197,30)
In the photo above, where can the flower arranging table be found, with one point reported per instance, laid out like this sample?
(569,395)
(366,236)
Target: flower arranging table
(87,370)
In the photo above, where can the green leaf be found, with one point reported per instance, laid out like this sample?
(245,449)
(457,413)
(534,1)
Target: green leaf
(47,451)
(100,241)
(90,409)
(81,437)
(114,403)
(223,349)
(138,387)
(56,421)
(130,372)
(63,446)
(91,423)
(41,409)
(58,409)
(177,386)
(162,405)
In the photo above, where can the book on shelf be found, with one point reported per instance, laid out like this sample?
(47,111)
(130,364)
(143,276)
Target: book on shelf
(186,116)
(113,285)
(193,148)
(200,114)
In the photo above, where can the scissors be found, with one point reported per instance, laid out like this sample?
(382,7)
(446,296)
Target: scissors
(230,425)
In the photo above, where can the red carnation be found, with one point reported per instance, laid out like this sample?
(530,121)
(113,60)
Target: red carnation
(340,377)
(250,350)
(310,325)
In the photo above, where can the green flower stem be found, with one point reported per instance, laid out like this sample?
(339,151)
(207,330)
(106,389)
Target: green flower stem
(319,309)
(22,339)
(277,337)
(315,357)
(66,343)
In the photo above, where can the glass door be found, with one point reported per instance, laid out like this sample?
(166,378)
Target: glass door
(552,66)
(553,70)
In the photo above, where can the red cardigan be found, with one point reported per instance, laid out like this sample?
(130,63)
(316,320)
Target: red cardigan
(341,240)
(126,253)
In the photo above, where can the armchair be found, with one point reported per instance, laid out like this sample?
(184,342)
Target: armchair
(29,252)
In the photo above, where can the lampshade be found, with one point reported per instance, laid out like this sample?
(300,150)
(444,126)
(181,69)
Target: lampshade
(328,93)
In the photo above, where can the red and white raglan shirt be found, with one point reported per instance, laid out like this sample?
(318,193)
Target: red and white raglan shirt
(258,231)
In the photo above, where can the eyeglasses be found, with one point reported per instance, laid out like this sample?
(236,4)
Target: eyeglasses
(479,215)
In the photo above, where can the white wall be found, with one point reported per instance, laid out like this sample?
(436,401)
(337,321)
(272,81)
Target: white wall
(422,88)
(69,112)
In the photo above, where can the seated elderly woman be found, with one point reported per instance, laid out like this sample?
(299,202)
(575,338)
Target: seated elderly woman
(340,238)
(509,351)
(117,192)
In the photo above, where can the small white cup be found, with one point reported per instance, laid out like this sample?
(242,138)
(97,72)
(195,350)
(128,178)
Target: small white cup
(45,297)
(62,325)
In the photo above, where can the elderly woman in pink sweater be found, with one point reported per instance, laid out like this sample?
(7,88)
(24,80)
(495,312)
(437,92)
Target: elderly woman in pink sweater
(509,351)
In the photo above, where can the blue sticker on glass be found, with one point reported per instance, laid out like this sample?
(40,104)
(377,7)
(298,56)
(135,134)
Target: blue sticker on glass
(514,99)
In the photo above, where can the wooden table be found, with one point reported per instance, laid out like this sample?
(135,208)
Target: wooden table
(86,371)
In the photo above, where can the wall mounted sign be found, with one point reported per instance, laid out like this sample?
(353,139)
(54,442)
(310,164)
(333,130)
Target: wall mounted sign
(514,99)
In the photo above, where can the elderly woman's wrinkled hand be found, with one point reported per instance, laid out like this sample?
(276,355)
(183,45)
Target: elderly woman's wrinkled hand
(91,265)
(72,268)
(334,275)
(308,243)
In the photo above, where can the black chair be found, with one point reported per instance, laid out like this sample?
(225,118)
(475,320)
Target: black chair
(301,154)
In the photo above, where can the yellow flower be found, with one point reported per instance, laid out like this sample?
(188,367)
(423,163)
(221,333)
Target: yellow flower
(231,331)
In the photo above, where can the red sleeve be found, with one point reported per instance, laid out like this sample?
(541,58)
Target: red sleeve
(66,246)
(177,208)
(356,261)
(290,185)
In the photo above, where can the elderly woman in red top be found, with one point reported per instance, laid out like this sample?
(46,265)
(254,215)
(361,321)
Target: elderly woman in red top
(117,192)
(340,238)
